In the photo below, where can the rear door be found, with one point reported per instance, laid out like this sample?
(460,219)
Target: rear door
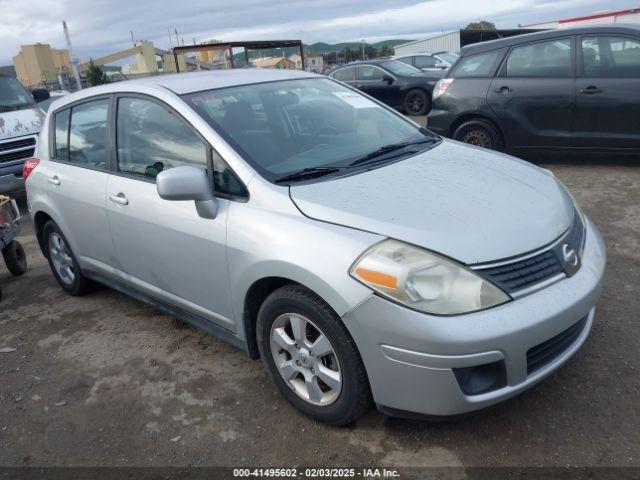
(164,248)
(533,94)
(608,92)
(77,178)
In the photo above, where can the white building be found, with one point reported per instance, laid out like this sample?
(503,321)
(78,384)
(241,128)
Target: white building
(630,16)
(313,62)
(454,41)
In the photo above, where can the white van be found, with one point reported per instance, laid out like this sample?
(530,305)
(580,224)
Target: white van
(20,122)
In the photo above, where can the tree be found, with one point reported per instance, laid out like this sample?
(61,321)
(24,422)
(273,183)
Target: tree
(95,75)
(481,25)
(386,51)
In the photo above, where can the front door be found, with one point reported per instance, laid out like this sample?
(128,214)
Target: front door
(375,82)
(608,93)
(534,94)
(164,248)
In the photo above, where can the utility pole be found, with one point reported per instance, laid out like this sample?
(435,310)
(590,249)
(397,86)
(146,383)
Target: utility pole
(363,49)
(74,59)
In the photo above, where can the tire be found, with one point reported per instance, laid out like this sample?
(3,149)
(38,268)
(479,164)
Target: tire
(77,284)
(15,258)
(337,406)
(416,102)
(481,133)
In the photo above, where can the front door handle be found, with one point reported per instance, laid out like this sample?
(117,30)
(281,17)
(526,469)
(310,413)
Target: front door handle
(120,199)
(54,180)
(504,90)
(591,90)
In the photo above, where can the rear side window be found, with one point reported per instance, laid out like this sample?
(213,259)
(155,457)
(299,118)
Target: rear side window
(543,59)
(150,139)
(345,75)
(86,143)
(62,135)
(611,57)
(479,65)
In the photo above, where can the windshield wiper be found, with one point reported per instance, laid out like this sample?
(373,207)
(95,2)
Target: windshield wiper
(388,149)
(309,172)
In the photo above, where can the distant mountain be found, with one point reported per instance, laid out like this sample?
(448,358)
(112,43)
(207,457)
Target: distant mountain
(322,47)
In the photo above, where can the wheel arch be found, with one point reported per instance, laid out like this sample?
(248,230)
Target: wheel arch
(40,218)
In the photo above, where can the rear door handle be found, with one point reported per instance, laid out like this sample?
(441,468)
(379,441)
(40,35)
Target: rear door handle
(591,90)
(54,180)
(120,199)
(504,90)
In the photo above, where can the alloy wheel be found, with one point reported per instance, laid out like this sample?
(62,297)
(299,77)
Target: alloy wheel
(305,359)
(61,258)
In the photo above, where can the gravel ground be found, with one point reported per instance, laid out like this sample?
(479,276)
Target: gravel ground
(106,380)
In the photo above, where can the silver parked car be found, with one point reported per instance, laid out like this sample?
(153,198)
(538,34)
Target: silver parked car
(363,258)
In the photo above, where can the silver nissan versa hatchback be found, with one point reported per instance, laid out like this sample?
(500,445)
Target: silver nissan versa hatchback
(361,257)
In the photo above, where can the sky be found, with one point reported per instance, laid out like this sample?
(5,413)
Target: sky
(100,27)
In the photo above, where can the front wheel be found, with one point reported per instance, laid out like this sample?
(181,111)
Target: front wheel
(311,357)
(417,102)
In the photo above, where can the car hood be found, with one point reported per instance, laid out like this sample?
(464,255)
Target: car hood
(464,202)
(16,123)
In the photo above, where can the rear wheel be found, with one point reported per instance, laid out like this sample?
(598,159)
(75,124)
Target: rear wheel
(15,258)
(62,261)
(417,102)
(311,357)
(480,133)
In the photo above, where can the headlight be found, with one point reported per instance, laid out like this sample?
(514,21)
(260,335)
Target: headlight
(423,280)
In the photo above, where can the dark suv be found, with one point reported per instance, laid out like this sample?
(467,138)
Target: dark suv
(571,89)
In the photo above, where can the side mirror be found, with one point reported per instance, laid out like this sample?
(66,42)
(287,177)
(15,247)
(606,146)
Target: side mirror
(40,94)
(388,79)
(188,183)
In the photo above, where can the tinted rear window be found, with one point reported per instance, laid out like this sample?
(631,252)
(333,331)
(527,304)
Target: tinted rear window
(479,65)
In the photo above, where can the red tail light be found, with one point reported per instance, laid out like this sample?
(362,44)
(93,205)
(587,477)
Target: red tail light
(441,87)
(29,165)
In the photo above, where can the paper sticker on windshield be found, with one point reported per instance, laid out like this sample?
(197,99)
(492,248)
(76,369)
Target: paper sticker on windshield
(355,100)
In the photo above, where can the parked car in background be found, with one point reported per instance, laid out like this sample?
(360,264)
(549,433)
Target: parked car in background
(53,96)
(429,62)
(561,90)
(395,83)
(20,121)
(362,257)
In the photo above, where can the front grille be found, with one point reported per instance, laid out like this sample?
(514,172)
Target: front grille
(24,143)
(17,150)
(520,275)
(546,352)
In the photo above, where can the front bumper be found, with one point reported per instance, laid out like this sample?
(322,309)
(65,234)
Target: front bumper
(410,356)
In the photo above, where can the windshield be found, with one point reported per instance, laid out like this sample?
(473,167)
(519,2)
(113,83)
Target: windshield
(448,57)
(13,94)
(287,126)
(400,68)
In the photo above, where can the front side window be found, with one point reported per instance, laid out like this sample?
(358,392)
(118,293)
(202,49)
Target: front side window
(283,127)
(425,62)
(13,95)
(479,65)
(345,74)
(62,135)
(611,57)
(407,60)
(369,73)
(150,138)
(400,68)
(88,134)
(543,59)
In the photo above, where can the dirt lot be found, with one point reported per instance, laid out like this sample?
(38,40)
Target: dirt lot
(106,380)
